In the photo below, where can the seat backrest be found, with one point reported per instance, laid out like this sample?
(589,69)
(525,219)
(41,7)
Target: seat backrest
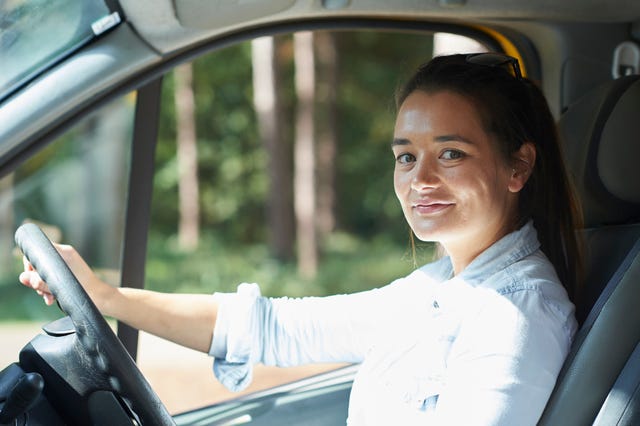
(602,149)
(622,406)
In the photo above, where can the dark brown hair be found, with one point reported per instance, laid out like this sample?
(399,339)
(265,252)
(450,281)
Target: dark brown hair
(514,110)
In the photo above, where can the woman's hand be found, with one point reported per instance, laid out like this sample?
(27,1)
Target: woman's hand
(95,288)
(186,319)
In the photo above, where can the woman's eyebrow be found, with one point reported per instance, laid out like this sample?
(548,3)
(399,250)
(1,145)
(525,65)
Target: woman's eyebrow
(400,141)
(442,138)
(452,138)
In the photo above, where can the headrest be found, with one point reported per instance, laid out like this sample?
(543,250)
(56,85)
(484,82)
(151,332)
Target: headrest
(601,139)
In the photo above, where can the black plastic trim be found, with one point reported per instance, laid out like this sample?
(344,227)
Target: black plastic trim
(134,252)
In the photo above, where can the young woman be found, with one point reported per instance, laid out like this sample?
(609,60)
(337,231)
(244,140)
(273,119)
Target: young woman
(475,338)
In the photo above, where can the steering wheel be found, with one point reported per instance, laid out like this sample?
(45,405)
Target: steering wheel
(100,344)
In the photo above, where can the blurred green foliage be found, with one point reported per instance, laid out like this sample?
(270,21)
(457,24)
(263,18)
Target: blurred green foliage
(18,303)
(232,159)
(349,265)
(370,246)
(233,176)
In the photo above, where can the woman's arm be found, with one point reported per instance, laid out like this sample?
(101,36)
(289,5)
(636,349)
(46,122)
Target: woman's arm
(186,319)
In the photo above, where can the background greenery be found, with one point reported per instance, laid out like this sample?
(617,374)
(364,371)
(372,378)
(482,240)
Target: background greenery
(370,246)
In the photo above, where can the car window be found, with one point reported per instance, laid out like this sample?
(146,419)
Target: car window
(75,189)
(36,33)
(224,205)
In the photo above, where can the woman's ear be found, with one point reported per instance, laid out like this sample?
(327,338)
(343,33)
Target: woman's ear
(522,163)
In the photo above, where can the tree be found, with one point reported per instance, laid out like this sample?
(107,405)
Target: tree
(327,86)
(304,155)
(187,157)
(269,116)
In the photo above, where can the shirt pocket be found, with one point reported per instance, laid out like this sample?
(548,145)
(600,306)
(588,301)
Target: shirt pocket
(411,362)
(423,392)
(429,360)
(416,375)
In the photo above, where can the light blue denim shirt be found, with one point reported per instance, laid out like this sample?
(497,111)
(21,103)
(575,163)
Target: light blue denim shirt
(480,348)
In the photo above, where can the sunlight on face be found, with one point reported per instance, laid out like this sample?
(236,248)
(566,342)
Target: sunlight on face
(449,177)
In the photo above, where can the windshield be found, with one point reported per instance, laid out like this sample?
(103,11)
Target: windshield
(35,34)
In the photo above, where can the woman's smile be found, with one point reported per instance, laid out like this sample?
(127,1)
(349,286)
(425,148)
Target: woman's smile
(426,207)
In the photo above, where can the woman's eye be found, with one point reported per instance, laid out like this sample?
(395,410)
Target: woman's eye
(452,154)
(405,158)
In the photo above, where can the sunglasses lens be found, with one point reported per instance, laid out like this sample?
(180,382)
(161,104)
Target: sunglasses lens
(488,59)
(496,60)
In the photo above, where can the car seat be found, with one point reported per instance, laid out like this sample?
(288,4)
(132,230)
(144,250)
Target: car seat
(599,380)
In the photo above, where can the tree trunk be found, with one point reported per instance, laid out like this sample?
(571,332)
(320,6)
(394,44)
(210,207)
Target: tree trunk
(327,83)
(269,115)
(187,156)
(304,155)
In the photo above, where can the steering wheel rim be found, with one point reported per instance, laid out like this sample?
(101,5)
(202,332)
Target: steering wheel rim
(96,337)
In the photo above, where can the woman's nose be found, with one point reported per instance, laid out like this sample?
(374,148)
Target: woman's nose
(425,175)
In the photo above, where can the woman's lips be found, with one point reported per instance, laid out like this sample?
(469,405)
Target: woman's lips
(431,208)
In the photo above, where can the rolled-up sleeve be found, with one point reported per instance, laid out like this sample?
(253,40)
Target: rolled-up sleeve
(286,332)
(231,346)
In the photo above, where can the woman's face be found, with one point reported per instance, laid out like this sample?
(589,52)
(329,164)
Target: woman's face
(453,185)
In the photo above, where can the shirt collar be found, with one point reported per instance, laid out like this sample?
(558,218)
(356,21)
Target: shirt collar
(504,252)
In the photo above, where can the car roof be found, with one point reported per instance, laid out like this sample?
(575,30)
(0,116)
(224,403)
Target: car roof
(169,25)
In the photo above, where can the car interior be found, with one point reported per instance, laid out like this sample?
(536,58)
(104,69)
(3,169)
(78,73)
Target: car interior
(589,63)
(604,360)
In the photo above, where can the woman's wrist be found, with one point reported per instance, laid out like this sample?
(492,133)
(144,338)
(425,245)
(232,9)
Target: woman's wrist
(105,297)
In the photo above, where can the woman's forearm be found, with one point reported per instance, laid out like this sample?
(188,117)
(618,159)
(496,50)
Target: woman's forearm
(185,319)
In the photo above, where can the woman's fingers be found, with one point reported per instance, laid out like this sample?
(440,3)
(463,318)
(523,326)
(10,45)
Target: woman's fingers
(33,280)
(27,265)
(78,266)
(48,298)
(30,278)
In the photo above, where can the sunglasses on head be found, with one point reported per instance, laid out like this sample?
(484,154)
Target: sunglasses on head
(496,60)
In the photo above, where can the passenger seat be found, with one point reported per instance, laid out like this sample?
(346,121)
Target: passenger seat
(600,379)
